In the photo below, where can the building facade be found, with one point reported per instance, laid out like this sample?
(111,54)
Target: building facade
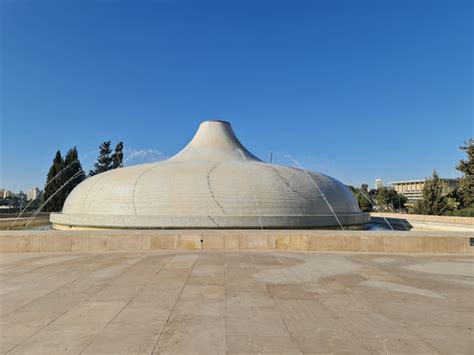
(5,193)
(413,189)
(378,183)
(34,194)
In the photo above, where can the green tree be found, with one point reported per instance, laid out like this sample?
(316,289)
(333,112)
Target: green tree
(434,201)
(117,157)
(73,174)
(104,161)
(53,183)
(466,185)
(364,199)
(399,204)
(384,198)
(362,196)
(389,200)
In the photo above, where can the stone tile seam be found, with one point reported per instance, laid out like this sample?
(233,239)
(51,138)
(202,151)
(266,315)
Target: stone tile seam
(131,299)
(73,262)
(29,271)
(174,305)
(46,294)
(278,306)
(32,335)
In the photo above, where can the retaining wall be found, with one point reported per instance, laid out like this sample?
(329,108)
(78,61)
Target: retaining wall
(300,240)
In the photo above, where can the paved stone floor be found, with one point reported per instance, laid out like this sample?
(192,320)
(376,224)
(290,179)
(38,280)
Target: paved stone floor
(235,302)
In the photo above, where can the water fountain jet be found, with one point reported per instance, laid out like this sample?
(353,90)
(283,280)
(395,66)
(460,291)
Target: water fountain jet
(208,185)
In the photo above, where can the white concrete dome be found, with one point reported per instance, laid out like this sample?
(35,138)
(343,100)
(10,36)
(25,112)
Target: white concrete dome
(214,182)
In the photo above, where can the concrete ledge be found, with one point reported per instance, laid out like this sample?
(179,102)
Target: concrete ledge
(298,240)
(400,221)
(425,218)
(13,223)
(65,221)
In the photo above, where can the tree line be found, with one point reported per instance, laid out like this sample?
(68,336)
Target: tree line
(436,198)
(381,199)
(66,173)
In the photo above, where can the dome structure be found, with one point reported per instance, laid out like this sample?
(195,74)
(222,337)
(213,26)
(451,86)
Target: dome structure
(214,182)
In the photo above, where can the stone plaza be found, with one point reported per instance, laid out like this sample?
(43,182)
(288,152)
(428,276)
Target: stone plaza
(236,302)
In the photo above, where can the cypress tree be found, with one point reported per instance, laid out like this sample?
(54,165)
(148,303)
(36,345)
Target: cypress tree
(434,201)
(117,157)
(104,161)
(466,184)
(74,173)
(54,181)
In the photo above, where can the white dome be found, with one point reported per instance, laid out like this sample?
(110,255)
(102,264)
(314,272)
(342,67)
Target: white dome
(214,182)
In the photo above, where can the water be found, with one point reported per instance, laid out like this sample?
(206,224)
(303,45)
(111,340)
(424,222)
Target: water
(139,153)
(49,182)
(143,155)
(251,186)
(377,227)
(45,186)
(368,227)
(373,203)
(45,227)
(49,199)
(317,187)
(65,184)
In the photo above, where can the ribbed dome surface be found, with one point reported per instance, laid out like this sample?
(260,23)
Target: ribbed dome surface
(214,182)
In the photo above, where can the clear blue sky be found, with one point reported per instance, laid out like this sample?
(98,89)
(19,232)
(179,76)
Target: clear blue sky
(357,90)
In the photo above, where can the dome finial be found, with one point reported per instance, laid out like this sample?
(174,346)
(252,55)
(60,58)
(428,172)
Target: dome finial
(215,140)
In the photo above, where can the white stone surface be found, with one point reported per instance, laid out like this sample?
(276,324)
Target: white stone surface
(214,182)
(218,303)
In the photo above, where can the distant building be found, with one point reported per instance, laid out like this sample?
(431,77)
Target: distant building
(378,183)
(6,193)
(413,189)
(34,194)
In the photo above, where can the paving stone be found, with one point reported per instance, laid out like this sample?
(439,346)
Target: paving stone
(373,324)
(411,346)
(289,291)
(144,313)
(211,308)
(125,340)
(447,339)
(304,310)
(14,333)
(240,272)
(244,302)
(250,285)
(270,324)
(331,345)
(259,344)
(193,336)
(248,300)
(59,339)
(91,313)
(322,326)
